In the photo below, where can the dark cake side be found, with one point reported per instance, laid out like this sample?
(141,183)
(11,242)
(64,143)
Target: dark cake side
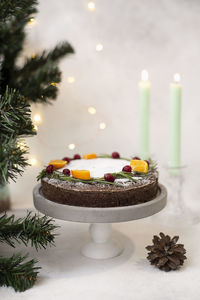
(100,195)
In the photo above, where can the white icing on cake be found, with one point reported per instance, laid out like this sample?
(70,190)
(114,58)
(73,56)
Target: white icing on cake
(97,166)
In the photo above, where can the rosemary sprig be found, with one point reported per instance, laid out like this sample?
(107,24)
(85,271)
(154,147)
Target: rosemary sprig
(60,176)
(128,175)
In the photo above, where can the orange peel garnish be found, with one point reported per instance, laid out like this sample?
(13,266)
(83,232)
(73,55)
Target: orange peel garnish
(90,156)
(58,163)
(139,165)
(81,174)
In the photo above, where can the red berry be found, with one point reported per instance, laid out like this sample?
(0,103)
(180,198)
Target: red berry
(127,169)
(136,158)
(67,159)
(66,172)
(50,169)
(77,156)
(109,177)
(147,162)
(115,155)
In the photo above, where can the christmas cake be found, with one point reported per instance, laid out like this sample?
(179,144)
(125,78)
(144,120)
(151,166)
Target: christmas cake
(99,181)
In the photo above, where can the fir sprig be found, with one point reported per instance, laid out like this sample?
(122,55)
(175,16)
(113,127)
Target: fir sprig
(15,116)
(12,160)
(33,228)
(15,122)
(15,271)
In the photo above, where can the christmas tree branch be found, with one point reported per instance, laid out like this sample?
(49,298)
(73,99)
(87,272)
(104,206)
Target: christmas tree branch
(12,160)
(15,121)
(15,116)
(38,78)
(15,272)
(32,228)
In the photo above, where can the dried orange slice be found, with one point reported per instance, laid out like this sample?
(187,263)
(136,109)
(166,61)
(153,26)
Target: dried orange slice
(90,156)
(139,165)
(81,174)
(58,163)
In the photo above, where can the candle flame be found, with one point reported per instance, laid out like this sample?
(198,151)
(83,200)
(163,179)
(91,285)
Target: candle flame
(177,78)
(144,75)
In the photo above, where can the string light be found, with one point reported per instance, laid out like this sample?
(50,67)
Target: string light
(22,145)
(37,118)
(71,146)
(31,21)
(102,125)
(71,79)
(91,5)
(33,161)
(35,127)
(99,47)
(92,110)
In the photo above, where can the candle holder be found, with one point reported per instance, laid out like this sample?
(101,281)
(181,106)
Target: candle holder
(178,210)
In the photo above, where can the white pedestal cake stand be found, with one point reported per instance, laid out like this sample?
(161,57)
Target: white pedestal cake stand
(101,245)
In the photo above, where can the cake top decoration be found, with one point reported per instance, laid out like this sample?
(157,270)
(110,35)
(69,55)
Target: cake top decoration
(132,170)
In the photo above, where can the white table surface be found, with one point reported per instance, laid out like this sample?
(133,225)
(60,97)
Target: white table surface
(66,274)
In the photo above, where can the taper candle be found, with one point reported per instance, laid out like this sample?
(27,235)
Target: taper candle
(175,123)
(144,95)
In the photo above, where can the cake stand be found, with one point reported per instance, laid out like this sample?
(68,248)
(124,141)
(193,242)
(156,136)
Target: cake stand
(101,245)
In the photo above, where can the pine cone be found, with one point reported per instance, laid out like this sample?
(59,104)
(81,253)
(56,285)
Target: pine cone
(165,253)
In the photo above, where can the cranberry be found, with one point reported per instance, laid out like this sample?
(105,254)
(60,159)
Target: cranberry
(66,172)
(127,169)
(136,158)
(147,162)
(115,155)
(67,159)
(77,156)
(109,177)
(50,169)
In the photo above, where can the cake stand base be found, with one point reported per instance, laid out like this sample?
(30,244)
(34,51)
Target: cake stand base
(101,246)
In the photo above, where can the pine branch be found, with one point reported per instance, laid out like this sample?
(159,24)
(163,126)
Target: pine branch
(36,76)
(15,121)
(32,228)
(17,272)
(15,116)
(12,160)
